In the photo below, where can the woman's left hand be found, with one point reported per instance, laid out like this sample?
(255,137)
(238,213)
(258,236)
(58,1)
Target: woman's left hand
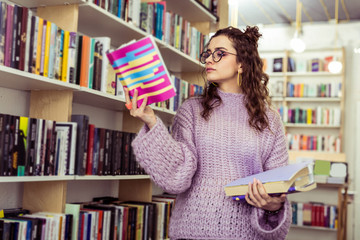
(257,197)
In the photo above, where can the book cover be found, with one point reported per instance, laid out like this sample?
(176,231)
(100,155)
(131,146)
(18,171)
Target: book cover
(139,65)
(81,143)
(3,8)
(277,180)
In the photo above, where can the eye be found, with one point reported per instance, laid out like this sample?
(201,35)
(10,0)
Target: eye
(219,54)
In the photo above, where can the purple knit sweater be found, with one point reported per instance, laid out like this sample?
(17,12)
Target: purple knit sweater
(200,157)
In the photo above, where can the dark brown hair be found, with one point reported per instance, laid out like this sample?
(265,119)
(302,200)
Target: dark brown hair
(254,80)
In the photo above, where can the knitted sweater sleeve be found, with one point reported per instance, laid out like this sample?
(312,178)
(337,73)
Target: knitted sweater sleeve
(169,160)
(274,226)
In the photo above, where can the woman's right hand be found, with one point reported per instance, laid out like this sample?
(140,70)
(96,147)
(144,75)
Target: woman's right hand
(144,112)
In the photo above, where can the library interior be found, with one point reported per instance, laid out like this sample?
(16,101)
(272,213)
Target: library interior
(75,74)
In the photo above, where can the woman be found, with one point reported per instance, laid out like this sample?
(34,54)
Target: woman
(228,133)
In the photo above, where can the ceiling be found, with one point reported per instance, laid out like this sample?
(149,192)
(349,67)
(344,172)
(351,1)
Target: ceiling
(269,12)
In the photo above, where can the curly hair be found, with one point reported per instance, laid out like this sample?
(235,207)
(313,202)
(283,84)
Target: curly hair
(254,80)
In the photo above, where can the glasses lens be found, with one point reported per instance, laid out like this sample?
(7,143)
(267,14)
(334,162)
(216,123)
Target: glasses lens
(204,56)
(218,55)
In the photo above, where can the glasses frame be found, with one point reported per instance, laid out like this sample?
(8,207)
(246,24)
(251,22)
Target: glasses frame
(213,56)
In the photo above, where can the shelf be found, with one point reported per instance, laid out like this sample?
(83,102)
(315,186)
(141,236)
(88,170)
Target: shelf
(35,178)
(20,80)
(334,157)
(43,3)
(191,10)
(306,99)
(100,99)
(304,74)
(311,74)
(117,177)
(312,99)
(304,125)
(69,178)
(95,22)
(314,228)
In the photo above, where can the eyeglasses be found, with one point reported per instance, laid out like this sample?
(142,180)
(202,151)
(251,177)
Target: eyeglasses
(216,55)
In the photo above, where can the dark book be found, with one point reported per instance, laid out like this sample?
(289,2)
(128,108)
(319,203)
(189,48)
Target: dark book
(278,65)
(78,62)
(107,152)
(125,156)
(31,225)
(30,155)
(13,146)
(117,152)
(81,143)
(6,145)
(97,65)
(101,151)
(8,35)
(32,44)
(23,37)
(2,135)
(90,149)
(96,144)
(49,148)
(3,12)
(15,17)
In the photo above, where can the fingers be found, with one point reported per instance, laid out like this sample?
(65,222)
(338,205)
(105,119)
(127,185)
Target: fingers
(127,96)
(144,103)
(134,100)
(257,195)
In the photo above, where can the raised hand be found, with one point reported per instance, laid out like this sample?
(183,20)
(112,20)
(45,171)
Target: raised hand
(144,113)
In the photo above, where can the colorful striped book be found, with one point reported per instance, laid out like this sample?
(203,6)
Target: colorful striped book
(139,65)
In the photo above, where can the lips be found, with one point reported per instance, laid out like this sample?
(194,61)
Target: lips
(210,69)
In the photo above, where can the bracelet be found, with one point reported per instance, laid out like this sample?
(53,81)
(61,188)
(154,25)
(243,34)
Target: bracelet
(271,213)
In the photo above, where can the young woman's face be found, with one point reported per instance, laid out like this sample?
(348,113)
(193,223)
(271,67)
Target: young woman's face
(223,70)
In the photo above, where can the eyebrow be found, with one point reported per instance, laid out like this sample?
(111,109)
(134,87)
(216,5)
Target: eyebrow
(218,48)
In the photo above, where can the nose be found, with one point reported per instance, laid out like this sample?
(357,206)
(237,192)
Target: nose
(209,59)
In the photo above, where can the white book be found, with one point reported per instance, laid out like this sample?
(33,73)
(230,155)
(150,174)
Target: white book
(68,145)
(53,33)
(300,213)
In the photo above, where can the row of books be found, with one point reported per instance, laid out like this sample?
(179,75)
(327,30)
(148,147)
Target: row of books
(102,151)
(319,115)
(39,147)
(20,224)
(153,18)
(314,90)
(321,143)
(103,218)
(300,65)
(276,89)
(314,214)
(39,46)
(330,172)
(183,90)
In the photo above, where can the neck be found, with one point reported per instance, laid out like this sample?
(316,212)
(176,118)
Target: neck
(230,87)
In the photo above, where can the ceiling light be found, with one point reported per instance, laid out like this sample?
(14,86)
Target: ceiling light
(335,66)
(296,43)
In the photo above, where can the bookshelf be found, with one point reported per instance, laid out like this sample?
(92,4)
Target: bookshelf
(283,97)
(51,99)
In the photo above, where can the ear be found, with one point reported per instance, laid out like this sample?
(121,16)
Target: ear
(239,70)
